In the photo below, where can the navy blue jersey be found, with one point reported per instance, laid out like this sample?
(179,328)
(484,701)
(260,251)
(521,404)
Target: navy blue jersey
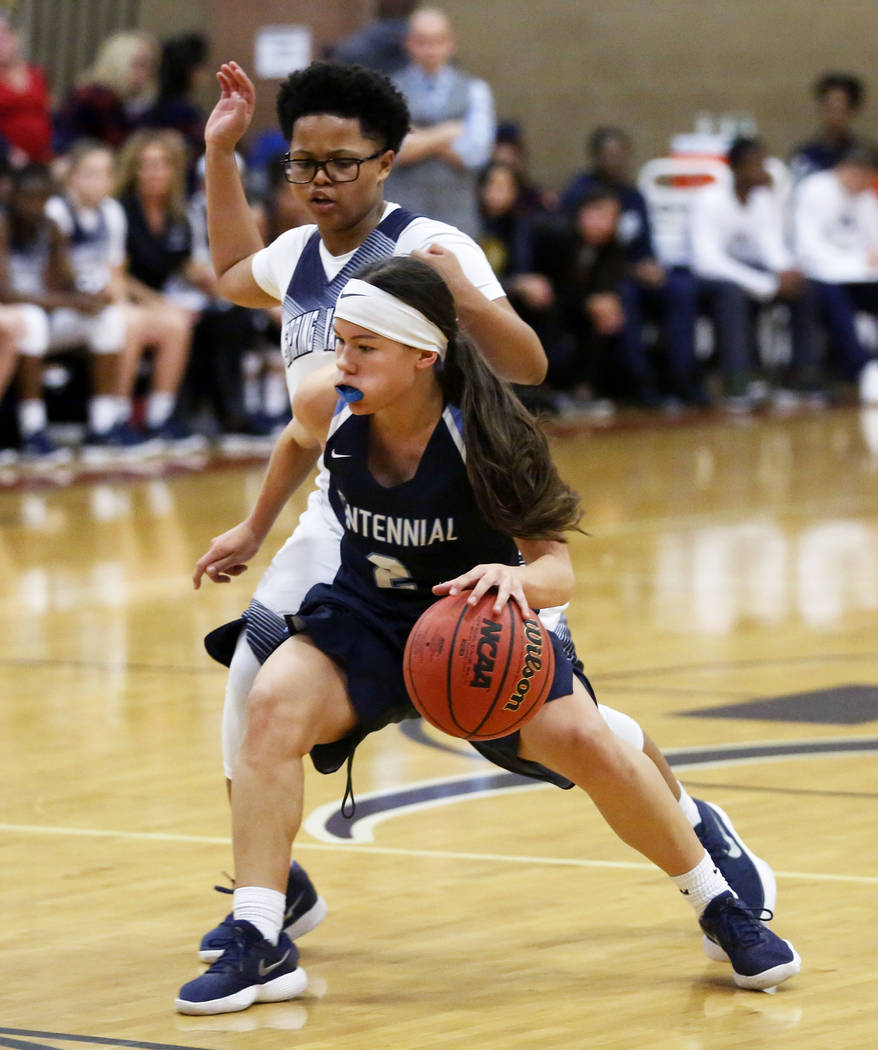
(401,540)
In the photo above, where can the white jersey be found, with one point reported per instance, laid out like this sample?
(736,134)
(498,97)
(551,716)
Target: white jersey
(836,231)
(96,236)
(297,270)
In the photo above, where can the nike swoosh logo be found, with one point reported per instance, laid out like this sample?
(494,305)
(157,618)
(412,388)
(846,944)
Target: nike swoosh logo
(264,970)
(339,455)
(734,848)
(291,910)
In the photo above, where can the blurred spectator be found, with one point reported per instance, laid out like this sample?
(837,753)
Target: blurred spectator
(24,338)
(839,98)
(585,262)
(647,290)
(738,251)
(25,117)
(36,270)
(510,148)
(836,234)
(508,240)
(380,44)
(111,95)
(95,228)
(163,275)
(453,128)
(223,335)
(183,66)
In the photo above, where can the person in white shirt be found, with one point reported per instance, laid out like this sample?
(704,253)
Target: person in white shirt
(739,253)
(836,238)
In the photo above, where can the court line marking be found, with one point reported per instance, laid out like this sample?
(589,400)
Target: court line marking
(69,1037)
(426,854)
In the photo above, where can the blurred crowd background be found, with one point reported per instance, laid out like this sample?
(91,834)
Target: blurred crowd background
(716,275)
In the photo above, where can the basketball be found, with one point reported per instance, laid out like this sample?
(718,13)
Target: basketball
(474,674)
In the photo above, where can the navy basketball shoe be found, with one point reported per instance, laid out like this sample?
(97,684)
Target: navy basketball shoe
(759,958)
(250,970)
(749,876)
(305,909)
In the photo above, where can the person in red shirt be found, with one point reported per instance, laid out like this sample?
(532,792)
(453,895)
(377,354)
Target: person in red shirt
(25,109)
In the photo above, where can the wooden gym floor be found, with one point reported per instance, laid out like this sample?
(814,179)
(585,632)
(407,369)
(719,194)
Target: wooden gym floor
(727,598)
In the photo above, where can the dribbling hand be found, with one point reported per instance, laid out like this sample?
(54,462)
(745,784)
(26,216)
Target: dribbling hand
(506,579)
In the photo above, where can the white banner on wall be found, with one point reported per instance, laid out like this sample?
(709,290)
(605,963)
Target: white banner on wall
(279,50)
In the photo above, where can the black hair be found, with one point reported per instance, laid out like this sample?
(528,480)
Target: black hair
(181,56)
(351,92)
(862,154)
(850,84)
(517,486)
(740,148)
(597,193)
(602,135)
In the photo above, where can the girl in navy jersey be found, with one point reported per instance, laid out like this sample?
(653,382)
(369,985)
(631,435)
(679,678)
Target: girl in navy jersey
(414,426)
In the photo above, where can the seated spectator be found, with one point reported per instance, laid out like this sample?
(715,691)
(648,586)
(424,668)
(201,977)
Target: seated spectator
(112,95)
(37,270)
(25,117)
(182,67)
(508,240)
(510,148)
(380,44)
(24,339)
(836,236)
(647,290)
(224,334)
(163,276)
(95,228)
(739,253)
(839,98)
(585,263)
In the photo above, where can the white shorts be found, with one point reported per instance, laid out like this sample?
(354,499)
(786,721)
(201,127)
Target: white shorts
(102,333)
(311,555)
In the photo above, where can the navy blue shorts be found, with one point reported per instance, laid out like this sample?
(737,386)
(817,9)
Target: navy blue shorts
(369,646)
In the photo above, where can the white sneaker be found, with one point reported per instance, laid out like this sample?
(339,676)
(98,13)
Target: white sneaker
(869,383)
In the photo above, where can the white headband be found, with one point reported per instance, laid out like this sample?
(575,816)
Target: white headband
(378,311)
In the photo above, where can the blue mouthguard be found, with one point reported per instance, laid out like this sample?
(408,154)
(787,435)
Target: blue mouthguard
(349,393)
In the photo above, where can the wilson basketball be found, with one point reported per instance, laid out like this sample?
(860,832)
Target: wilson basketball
(474,674)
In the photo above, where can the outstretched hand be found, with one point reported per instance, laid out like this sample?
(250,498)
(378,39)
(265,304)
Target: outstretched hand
(506,579)
(227,555)
(233,112)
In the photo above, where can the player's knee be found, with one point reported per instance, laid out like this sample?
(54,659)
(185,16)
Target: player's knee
(277,727)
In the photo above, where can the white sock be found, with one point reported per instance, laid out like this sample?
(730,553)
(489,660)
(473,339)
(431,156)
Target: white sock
(262,907)
(159,407)
(687,804)
(123,409)
(700,885)
(102,413)
(32,416)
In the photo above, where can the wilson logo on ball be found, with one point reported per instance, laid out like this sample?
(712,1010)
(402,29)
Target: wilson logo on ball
(486,654)
(533,662)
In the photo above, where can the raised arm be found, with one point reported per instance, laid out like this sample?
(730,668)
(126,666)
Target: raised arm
(232,231)
(510,346)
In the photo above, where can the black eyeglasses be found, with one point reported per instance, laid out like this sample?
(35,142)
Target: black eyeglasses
(338,169)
